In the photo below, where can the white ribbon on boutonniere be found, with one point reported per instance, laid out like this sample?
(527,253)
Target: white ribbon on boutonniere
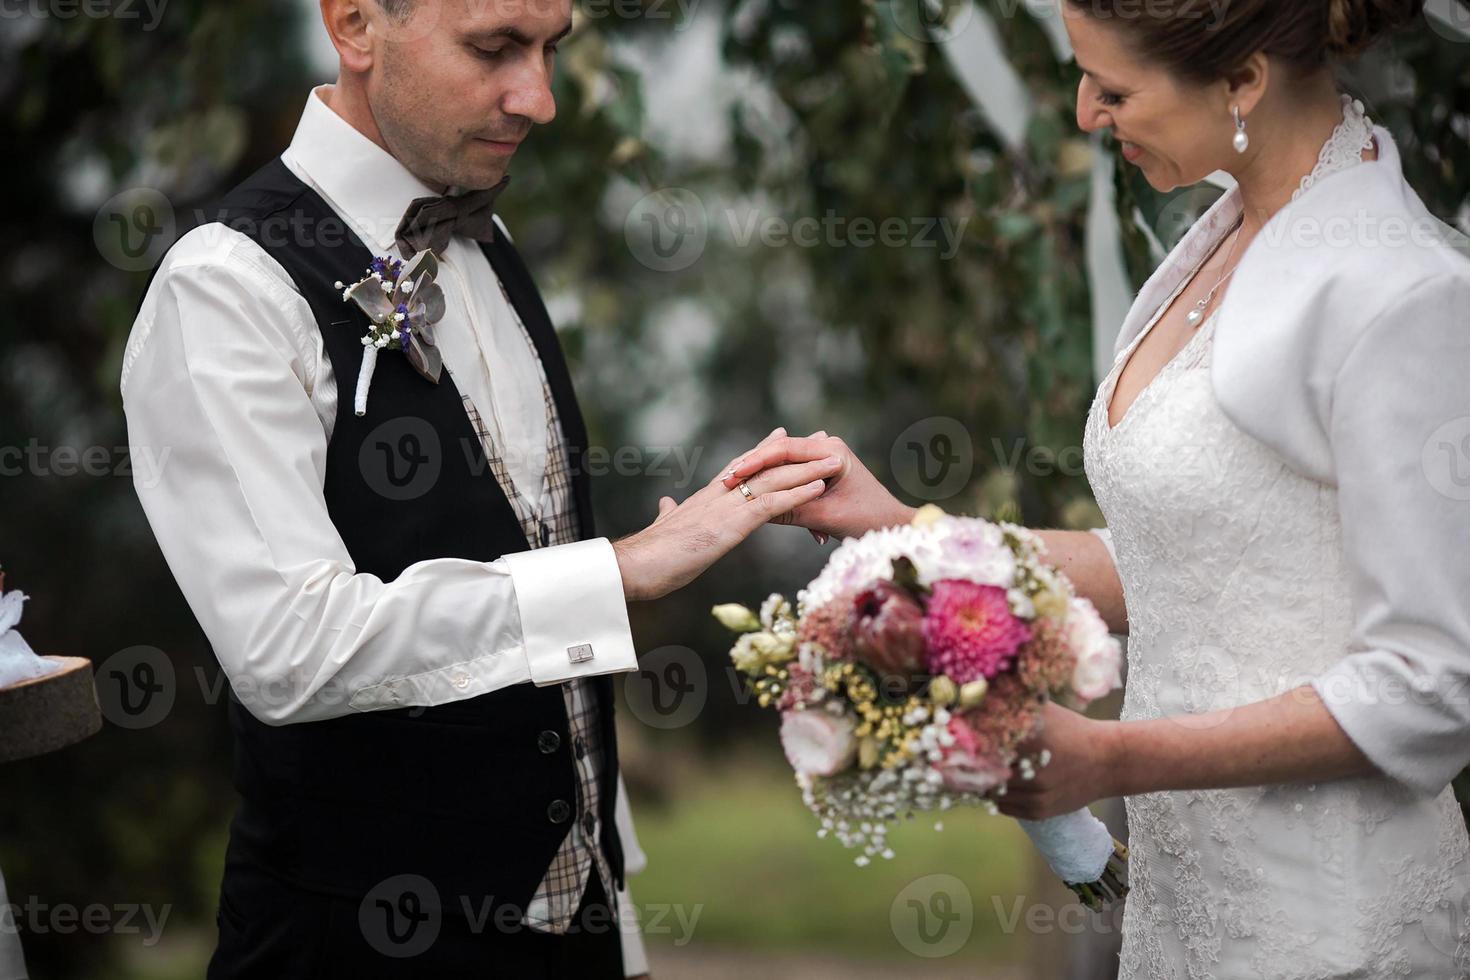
(403,302)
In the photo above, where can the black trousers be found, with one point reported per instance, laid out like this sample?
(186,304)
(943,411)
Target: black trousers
(270,930)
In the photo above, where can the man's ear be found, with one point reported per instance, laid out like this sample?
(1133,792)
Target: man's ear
(1246,86)
(349,26)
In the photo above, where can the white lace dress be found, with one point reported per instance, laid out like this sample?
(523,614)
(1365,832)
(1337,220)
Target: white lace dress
(1237,591)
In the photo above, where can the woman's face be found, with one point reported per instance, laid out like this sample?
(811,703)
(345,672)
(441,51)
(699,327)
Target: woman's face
(1176,133)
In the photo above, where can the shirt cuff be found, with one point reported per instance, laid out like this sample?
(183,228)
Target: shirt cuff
(574,618)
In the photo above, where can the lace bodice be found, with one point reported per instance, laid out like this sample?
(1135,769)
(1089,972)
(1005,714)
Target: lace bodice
(1236,589)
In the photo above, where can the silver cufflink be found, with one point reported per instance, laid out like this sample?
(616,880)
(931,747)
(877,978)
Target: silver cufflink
(580,654)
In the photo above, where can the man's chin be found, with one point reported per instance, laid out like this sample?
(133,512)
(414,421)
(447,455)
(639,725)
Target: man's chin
(481,169)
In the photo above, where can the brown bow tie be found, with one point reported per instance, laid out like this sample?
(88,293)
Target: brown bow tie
(430,222)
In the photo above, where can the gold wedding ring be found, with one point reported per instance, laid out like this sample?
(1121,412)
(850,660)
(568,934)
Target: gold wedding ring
(746,491)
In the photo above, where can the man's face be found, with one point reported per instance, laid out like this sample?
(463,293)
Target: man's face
(457,84)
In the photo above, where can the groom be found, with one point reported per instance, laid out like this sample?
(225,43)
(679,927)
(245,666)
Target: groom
(411,606)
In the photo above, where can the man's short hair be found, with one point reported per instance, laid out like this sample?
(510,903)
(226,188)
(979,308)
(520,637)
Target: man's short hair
(397,9)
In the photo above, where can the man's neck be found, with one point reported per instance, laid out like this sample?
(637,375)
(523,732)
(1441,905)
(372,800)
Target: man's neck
(350,103)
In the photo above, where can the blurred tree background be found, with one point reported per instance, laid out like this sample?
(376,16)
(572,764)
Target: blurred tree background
(957,358)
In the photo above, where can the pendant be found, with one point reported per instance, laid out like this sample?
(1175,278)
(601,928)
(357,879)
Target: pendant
(1195,316)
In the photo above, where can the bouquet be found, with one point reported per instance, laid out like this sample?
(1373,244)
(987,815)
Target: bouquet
(912,670)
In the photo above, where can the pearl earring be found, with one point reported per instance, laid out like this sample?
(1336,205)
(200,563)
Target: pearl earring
(1242,141)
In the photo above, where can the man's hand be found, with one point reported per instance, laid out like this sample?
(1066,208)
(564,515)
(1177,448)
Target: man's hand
(854,503)
(687,538)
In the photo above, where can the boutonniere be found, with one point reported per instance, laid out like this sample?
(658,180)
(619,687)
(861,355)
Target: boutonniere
(403,302)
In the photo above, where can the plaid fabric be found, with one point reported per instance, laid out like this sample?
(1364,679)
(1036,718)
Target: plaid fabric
(550,521)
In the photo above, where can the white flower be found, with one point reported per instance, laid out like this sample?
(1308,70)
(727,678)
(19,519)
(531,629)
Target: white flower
(776,615)
(1099,657)
(753,652)
(818,743)
(970,549)
(860,562)
(736,618)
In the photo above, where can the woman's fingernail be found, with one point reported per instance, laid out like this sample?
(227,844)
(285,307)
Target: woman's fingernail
(833,460)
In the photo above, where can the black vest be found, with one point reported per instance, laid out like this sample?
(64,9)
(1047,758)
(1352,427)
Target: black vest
(460,794)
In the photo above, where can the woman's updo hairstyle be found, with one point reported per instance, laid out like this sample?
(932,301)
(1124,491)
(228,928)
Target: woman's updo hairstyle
(1202,42)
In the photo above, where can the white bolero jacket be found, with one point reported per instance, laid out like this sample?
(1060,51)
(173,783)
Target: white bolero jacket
(1343,344)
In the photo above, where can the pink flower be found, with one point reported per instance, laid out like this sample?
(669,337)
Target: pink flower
(829,626)
(970,631)
(817,743)
(964,768)
(888,630)
(801,684)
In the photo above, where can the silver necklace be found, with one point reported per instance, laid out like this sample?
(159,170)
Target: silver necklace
(1198,313)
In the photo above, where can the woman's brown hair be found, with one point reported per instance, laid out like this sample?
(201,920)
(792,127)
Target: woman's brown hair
(1203,41)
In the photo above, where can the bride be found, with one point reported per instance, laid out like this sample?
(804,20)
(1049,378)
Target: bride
(1277,451)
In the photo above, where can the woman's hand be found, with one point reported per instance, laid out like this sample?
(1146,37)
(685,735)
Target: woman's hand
(1079,771)
(854,503)
(687,538)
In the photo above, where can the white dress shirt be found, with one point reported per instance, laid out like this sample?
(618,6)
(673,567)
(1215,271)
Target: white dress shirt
(226,384)
(1343,344)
